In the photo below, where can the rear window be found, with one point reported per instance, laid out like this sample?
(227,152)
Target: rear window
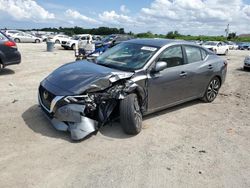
(2,36)
(193,54)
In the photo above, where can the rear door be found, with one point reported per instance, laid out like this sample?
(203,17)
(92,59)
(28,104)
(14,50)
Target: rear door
(199,68)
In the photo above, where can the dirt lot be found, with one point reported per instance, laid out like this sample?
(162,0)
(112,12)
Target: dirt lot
(192,145)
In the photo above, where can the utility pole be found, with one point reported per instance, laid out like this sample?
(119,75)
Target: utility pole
(227,30)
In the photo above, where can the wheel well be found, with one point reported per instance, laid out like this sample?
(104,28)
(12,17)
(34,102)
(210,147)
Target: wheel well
(219,78)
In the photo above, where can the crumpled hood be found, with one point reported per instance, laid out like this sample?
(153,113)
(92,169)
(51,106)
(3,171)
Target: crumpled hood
(81,76)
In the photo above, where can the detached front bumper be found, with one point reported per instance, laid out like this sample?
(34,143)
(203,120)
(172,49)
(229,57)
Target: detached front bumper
(69,117)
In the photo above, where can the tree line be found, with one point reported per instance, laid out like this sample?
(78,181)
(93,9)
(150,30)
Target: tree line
(170,35)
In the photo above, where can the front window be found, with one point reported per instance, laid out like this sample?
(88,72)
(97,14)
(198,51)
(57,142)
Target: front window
(173,56)
(127,56)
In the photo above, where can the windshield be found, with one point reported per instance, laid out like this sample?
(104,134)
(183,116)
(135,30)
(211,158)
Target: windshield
(127,56)
(108,39)
(76,37)
(210,43)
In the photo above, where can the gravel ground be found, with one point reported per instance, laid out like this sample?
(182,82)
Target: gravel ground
(191,145)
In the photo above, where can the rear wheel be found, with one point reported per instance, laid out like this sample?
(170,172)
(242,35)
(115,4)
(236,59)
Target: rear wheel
(130,115)
(212,90)
(73,47)
(57,41)
(17,40)
(37,41)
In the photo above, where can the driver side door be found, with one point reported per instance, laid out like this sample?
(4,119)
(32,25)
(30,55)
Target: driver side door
(167,87)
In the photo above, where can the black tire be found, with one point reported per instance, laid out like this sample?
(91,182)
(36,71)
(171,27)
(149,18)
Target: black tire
(57,41)
(73,47)
(212,90)
(17,40)
(37,41)
(130,115)
(1,66)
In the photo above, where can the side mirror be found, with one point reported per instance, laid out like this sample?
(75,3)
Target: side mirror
(159,66)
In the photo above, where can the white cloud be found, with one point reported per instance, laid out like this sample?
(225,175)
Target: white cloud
(73,14)
(113,18)
(246,10)
(196,16)
(25,10)
(124,9)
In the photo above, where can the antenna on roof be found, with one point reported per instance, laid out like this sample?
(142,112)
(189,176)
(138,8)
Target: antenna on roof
(227,30)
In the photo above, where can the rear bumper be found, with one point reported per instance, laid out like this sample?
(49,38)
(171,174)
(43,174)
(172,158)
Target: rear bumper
(17,60)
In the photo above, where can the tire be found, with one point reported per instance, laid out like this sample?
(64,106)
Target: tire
(57,41)
(212,90)
(17,40)
(73,47)
(37,41)
(130,115)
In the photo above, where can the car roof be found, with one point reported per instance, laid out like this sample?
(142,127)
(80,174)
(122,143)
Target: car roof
(159,42)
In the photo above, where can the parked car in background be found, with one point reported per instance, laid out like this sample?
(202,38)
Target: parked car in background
(131,79)
(113,40)
(231,45)
(24,37)
(246,65)
(10,33)
(73,42)
(9,54)
(60,39)
(244,46)
(217,47)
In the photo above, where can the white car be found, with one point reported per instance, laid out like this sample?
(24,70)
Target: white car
(60,39)
(217,47)
(72,43)
(10,33)
(247,62)
(232,45)
(24,37)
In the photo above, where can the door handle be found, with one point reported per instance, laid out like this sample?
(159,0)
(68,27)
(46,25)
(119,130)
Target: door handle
(183,74)
(210,67)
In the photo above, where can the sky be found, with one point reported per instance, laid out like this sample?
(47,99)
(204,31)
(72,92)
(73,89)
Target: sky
(193,17)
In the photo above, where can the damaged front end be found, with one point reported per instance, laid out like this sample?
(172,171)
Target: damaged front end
(84,114)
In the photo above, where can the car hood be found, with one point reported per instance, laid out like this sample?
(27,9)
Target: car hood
(82,76)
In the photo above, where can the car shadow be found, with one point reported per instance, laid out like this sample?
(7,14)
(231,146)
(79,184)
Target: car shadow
(6,71)
(114,129)
(36,120)
(172,109)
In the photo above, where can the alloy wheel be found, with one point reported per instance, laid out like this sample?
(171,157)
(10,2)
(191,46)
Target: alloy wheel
(213,89)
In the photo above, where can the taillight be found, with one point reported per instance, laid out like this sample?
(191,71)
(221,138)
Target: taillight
(10,44)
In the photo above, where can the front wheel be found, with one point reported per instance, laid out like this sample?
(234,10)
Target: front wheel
(212,90)
(17,40)
(37,41)
(130,115)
